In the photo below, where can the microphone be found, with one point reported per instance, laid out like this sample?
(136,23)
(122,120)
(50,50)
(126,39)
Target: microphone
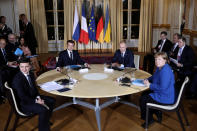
(126,79)
(131,71)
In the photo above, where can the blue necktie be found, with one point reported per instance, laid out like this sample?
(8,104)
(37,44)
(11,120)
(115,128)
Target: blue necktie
(4,54)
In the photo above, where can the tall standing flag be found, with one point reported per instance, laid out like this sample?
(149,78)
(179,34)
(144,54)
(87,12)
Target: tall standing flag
(92,27)
(76,27)
(107,29)
(99,31)
(84,29)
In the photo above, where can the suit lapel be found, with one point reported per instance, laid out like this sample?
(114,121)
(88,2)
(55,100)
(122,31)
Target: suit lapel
(28,88)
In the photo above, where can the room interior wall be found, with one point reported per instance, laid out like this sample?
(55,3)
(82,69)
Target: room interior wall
(11,10)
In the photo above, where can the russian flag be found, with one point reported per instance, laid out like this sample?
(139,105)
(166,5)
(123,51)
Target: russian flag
(76,27)
(84,29)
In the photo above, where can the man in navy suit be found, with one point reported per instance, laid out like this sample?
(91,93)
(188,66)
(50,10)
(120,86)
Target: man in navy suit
(185,58)
(123,57)
(30,99)
(163,45)
(69,57)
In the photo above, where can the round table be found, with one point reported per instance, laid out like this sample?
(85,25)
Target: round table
(96,83)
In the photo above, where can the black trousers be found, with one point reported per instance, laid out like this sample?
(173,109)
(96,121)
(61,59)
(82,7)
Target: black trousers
(144,99)
(194,85)
(43,112)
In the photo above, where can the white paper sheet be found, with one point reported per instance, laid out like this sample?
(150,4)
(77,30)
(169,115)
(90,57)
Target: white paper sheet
(50,86)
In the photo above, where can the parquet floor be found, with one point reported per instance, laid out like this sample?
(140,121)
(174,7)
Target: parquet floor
(117,117)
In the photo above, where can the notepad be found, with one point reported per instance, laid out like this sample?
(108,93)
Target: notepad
(138,82)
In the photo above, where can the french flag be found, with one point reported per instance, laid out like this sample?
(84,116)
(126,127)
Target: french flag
(84,29)
(76,27)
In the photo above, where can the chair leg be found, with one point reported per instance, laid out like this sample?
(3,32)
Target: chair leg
(8,121)
(184,115)
(147,111)
(180,120)
(15,123)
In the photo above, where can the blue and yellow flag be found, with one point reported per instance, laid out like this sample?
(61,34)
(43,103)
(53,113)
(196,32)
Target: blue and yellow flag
(92,27)
(107,28)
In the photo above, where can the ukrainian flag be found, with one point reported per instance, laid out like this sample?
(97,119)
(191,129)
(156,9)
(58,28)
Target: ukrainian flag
(107,29)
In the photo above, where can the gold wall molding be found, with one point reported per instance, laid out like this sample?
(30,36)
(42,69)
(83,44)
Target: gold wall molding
(161,26)
(192,33)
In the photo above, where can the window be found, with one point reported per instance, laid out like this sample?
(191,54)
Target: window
(131,18)
(55,21)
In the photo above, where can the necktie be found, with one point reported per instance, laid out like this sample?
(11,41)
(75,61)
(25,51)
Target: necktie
(4,54)
(161,46)
(71,55)
(179,54)
(122,55)
(30,82)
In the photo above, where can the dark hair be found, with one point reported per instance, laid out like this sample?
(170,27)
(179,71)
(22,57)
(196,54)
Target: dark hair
(1,38)
(21,15)
(19,39)
(1,17)
(177,34)
(182,38)
(23,60)
(70,41)
(164,32)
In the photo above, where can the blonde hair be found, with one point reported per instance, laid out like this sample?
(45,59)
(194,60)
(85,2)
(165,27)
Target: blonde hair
(162,54)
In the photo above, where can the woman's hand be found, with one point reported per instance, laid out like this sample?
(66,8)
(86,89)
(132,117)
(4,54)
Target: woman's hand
(146,82)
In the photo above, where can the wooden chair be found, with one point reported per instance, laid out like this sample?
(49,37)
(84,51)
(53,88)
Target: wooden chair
(15,108)
(177,106)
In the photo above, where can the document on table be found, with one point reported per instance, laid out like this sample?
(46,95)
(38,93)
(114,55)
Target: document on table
(50,86)
(138,82)
(174,60)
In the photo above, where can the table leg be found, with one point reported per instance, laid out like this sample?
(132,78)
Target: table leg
(97,111)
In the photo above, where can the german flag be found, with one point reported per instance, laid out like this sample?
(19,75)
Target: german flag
(100,30)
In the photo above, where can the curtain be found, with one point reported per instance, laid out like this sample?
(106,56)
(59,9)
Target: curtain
(38,19)
(68,20)
(145,35)
(114,6)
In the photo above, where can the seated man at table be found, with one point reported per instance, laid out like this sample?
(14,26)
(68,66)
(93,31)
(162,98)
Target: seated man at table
(123,57)
(30,99)
(69,57)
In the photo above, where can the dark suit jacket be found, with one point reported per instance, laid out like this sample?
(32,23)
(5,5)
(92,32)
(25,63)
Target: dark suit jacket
(128,60)
(2,60)
(65,60)
(5,32)
(173,54)
(25,93)
(166,47)
(29,36)
(187,59)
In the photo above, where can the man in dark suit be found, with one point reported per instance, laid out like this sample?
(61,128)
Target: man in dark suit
(7,68)
(30,99)
(163,45)
(5,57)
(185,58)
(4,29)
(123,57)
(29,35)
(11,47)
(69,57)
(175,48)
